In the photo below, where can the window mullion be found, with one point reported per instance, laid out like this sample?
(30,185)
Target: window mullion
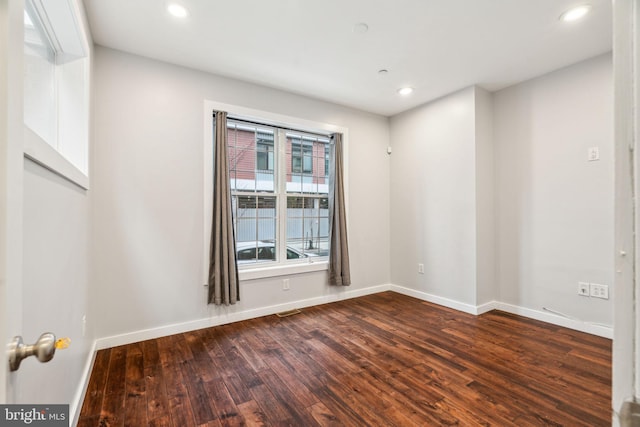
(281,183)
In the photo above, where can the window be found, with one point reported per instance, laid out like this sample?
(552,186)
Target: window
(39,69)
(280,194)
(288,260)
(327,152)
(264,153)
(301,156)
(56,88)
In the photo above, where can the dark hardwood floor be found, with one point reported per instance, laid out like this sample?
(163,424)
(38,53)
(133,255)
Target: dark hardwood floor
(379,360)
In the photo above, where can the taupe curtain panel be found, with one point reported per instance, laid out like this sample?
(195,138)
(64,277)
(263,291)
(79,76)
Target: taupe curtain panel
(224,286)
(339,274)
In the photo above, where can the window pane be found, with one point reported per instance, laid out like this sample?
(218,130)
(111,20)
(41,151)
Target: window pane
(265,181)
(308,225)
(246,254)
(267,253)
(246,230)
(264,159)
(291,254)
(327,152)
(251,157)
(255,220)
(308,172)
(295,233)
(39,81)
(267,229)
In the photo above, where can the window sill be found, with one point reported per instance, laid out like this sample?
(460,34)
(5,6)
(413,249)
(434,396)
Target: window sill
(282,270)
(36,149)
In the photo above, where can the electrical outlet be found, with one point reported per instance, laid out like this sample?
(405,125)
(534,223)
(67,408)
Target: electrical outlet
(285,284)
(421,268)
(593,154)
(583,289)
(599,291)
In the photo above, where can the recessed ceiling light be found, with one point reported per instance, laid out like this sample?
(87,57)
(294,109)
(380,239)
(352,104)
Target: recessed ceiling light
(404,91)
(575,13)
(177,10)
(383,72)
(360,28)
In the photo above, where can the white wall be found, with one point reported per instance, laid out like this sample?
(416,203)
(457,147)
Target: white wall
(148,190)
(554,210)
(433,198)
(494,194)
(486,285)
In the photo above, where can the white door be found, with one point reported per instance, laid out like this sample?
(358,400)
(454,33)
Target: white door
(11,175)
(626,362)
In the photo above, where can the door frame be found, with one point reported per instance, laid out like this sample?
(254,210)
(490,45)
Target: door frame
(626,51)
(11,182)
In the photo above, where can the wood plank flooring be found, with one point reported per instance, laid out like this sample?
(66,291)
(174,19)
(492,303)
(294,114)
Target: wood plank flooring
(380,360)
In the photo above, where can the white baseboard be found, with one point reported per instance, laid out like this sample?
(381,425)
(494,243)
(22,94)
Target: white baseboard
(554,319)
(78,399)
(446,302)
(177,328)
(486,307)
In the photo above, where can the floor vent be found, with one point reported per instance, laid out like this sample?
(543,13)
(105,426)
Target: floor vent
(288,313)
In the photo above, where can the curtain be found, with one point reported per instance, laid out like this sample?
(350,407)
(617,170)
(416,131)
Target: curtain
(224,286)
(339,274)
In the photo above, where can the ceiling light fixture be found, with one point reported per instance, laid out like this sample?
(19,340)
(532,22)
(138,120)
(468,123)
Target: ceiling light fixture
(177,10)
(383,72)
(575,13)
(404,91)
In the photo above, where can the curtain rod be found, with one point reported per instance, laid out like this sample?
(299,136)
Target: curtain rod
(240,119)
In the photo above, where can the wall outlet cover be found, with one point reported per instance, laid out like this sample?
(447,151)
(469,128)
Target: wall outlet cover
(599,291)
(584,289)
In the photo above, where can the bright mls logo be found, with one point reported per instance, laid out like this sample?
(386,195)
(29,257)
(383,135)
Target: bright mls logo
(34,415)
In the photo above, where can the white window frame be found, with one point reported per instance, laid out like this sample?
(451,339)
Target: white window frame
(260,271)
(66,25)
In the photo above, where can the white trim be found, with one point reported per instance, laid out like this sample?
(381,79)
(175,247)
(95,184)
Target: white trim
(63,24)
(446,302)
(343,294)
(339,293)
(282,270)
(486,307)
(78,399)
(271,119)
(554,319)
(37,150)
